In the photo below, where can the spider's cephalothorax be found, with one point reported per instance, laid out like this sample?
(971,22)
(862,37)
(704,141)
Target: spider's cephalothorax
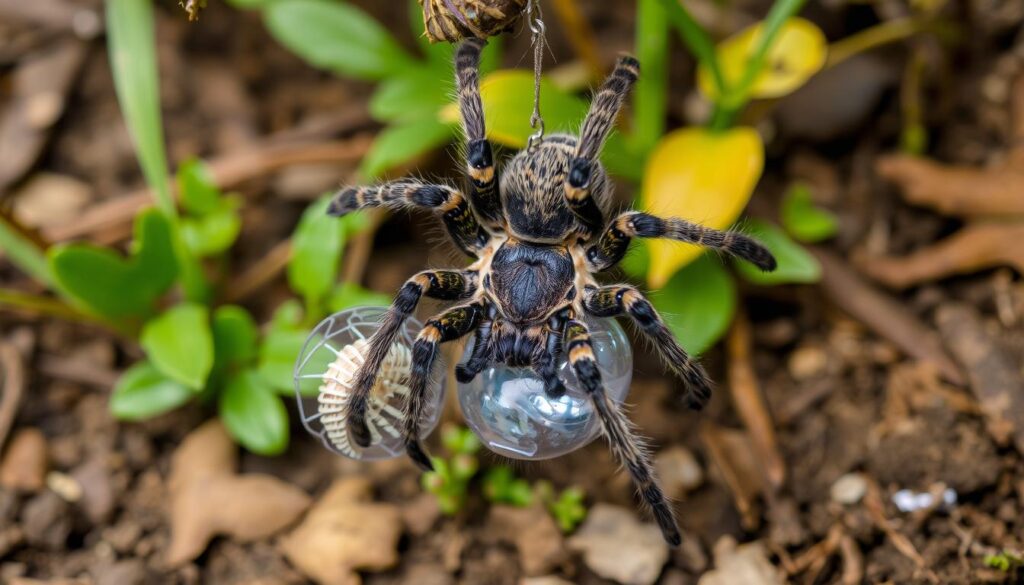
(538,236)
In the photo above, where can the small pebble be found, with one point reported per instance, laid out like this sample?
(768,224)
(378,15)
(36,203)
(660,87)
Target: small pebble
(678,471)
(807,361)
(911,501)
(849,489)
(64,486)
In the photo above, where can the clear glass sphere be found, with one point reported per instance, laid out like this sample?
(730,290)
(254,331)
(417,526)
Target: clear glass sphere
(513,416)
(324,375)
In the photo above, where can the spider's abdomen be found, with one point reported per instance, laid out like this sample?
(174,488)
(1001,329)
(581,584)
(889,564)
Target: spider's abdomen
(529,281)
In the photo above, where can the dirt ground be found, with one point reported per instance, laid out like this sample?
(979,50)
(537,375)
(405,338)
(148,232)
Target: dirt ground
(889,375)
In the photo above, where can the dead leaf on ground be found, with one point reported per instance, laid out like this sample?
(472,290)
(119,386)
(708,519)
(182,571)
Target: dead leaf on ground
(345,531)
(209,498)
(616,545)
(23,466)
(40,88)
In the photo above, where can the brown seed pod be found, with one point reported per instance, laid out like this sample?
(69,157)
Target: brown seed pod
(454,20)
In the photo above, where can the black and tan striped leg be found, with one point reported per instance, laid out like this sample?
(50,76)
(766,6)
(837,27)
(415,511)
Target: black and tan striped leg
(449,203)
(448,326)
(581,183)
(483,178)
(611,301)
(627,447)
(545,362)
(614,242)
(480,354)
(445,285)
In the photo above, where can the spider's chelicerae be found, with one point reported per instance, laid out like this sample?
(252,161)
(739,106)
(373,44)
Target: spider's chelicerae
(538,235)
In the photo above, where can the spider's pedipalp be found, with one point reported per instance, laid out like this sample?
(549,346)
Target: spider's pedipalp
(624,443)
(615,300)
(480,354)
(448,326)
(449,203)
(483,177)
(441,284)
(614,242)
(598,124)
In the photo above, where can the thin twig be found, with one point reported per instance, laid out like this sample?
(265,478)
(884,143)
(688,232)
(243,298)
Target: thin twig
(750,404)
(37,305)
(13,372)
(581,35)
(261,273)
(227,171)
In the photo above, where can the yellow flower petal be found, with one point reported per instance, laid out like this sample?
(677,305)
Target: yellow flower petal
(702,176)
(798,53)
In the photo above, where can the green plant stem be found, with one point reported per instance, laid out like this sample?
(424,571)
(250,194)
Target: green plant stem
(881,34)
(738,96)
(131,42)
(697,40)
(55,308)
(23,252)
(651,93)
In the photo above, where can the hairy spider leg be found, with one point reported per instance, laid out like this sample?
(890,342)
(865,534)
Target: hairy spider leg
(455,212)
(622,299)
(545,360)
(448,326)
(447,285)
(614,242)
(483,177)
(604,109)
(480,353)
(625,445)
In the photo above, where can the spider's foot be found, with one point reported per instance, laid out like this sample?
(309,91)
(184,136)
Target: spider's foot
(554,389)
(415,451)
(464,374)
(359,432)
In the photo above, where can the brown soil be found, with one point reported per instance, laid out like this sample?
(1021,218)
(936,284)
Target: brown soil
(845,397)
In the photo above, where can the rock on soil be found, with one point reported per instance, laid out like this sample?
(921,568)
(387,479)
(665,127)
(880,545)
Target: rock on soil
(617,546)
(535,535)
(746,563)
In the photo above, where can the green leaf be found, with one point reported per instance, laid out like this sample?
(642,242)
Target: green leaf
(650,98)
(803,219)
(131,44)
(277,355)
(697,303)
(234,335)
(403,142)
(180,344)
(199,194)
(253,415)
(24,253)
(316,250)
(143,392)
(111,285)
(214,232)
(411,95)
(796,265)
(349,294)
(337,36)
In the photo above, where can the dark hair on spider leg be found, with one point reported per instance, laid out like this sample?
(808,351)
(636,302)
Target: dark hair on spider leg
(751,251)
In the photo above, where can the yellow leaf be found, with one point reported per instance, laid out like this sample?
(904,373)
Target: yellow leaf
(507,97)
(798,53)
(702,176)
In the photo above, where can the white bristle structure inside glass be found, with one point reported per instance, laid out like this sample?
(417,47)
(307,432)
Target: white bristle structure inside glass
(383,416)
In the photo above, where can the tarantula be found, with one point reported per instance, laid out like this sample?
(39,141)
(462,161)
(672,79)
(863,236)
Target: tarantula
(538,236)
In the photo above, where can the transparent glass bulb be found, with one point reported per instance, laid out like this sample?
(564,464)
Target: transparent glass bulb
(513,416)
(324,374)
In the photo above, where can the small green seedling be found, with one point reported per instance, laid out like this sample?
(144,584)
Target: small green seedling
(450,478)
(501,486)
(567,508)
(1005,561)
